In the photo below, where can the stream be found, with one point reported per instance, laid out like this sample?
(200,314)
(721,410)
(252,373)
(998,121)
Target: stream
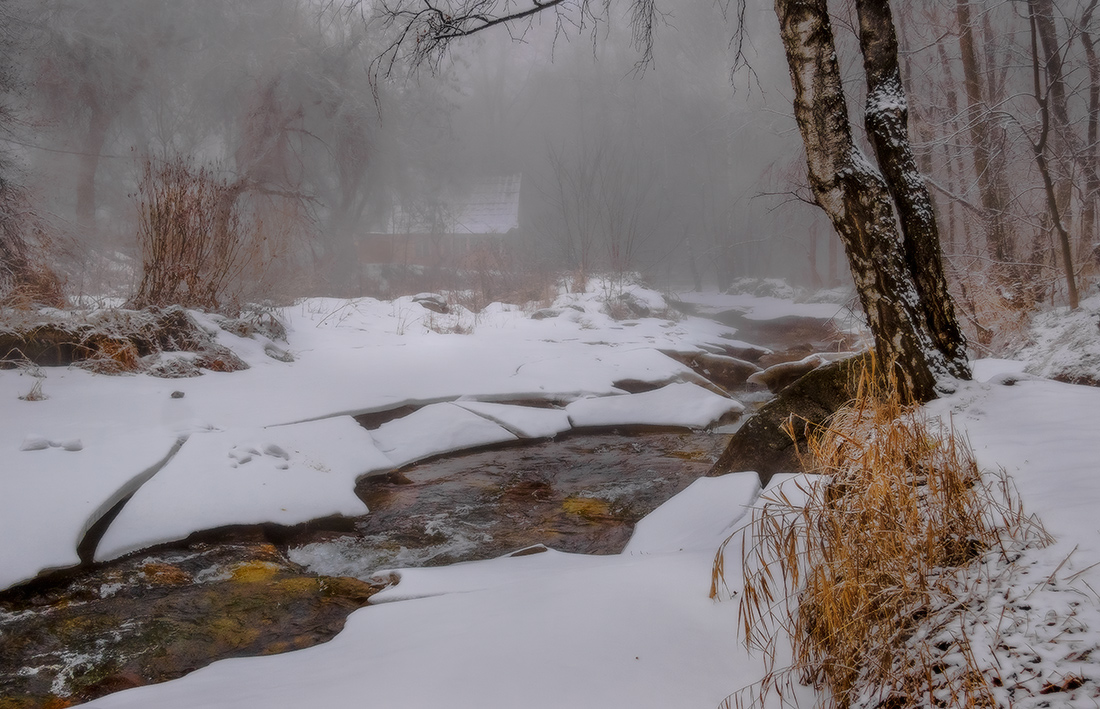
(163,612)
(160,613)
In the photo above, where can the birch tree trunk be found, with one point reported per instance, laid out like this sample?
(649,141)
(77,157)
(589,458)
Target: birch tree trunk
(896,266)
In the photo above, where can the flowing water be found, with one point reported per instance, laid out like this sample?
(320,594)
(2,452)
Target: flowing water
(161,613)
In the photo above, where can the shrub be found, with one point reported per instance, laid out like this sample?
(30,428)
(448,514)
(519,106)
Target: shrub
(191,233)
(26,278)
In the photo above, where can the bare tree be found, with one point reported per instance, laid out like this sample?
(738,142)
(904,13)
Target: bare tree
(574,221)
(1048,101)
(988,160)
(23,271)
(1092,174)
(97,61)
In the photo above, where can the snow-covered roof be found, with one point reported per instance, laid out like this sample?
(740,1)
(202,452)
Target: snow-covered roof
(488,205)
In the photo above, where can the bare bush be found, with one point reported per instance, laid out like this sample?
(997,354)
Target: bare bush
(26,277)
(194,242)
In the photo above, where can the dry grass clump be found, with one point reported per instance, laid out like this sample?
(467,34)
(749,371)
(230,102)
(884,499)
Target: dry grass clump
(876,549)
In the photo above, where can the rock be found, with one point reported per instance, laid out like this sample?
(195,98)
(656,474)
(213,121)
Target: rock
(589,508)
(545,313)
(761,445)
(779,376)
(726,372)
(174,368)
(432,301)
(117,341)
(219,359)
(626,306)
(778,332)
(276,353)
(177,394)
(740,349)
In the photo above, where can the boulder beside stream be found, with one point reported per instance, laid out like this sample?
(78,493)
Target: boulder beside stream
(762,445)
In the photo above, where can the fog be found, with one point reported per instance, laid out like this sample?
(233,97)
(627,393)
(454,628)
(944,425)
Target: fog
(683,172)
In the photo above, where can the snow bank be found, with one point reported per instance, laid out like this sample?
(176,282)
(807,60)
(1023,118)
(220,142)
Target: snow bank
(699,518)
(523,421)
(541,631)
(52,496)
(681,404)
(284,474)
(434,430)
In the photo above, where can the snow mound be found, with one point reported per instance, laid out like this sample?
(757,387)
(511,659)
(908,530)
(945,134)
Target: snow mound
(984,370)
(52,495)
(284,474)
(435,430)
(698,518)
(680,404)
(523,421)
(1065,344)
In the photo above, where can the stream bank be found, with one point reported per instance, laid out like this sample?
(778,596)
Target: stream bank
(160,613)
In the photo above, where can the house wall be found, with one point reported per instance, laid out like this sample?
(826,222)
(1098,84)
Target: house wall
(425,249)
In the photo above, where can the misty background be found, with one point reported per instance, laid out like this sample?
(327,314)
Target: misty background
(291,128)
(654,171)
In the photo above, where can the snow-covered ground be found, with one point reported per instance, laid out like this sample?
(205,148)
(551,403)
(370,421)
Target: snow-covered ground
(549,629)
(198,451)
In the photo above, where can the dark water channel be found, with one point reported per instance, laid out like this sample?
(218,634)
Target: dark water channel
(161,613)
(581,493)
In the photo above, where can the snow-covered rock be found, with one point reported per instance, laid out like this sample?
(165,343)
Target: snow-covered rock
(680,404)
(523,421)
(434,430)
(699,518)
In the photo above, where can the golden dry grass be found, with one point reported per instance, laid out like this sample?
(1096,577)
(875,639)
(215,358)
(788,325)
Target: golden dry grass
(875,549)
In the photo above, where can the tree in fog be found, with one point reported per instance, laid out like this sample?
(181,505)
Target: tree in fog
(97,59)
(24,273)
(882,212)
(972,63)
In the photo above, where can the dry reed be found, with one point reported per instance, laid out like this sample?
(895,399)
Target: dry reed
(875,551)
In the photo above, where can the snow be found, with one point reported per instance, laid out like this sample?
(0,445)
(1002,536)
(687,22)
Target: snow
(1064,344)
(681,404)
(434,430)
(613,632)
(350,357)
(523,421)
(755,307)
(1044,434)
(283,474)
(699,518)
(984,370)
(544,629)
(52,496)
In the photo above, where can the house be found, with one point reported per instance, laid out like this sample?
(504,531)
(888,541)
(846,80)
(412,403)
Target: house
(448,230)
